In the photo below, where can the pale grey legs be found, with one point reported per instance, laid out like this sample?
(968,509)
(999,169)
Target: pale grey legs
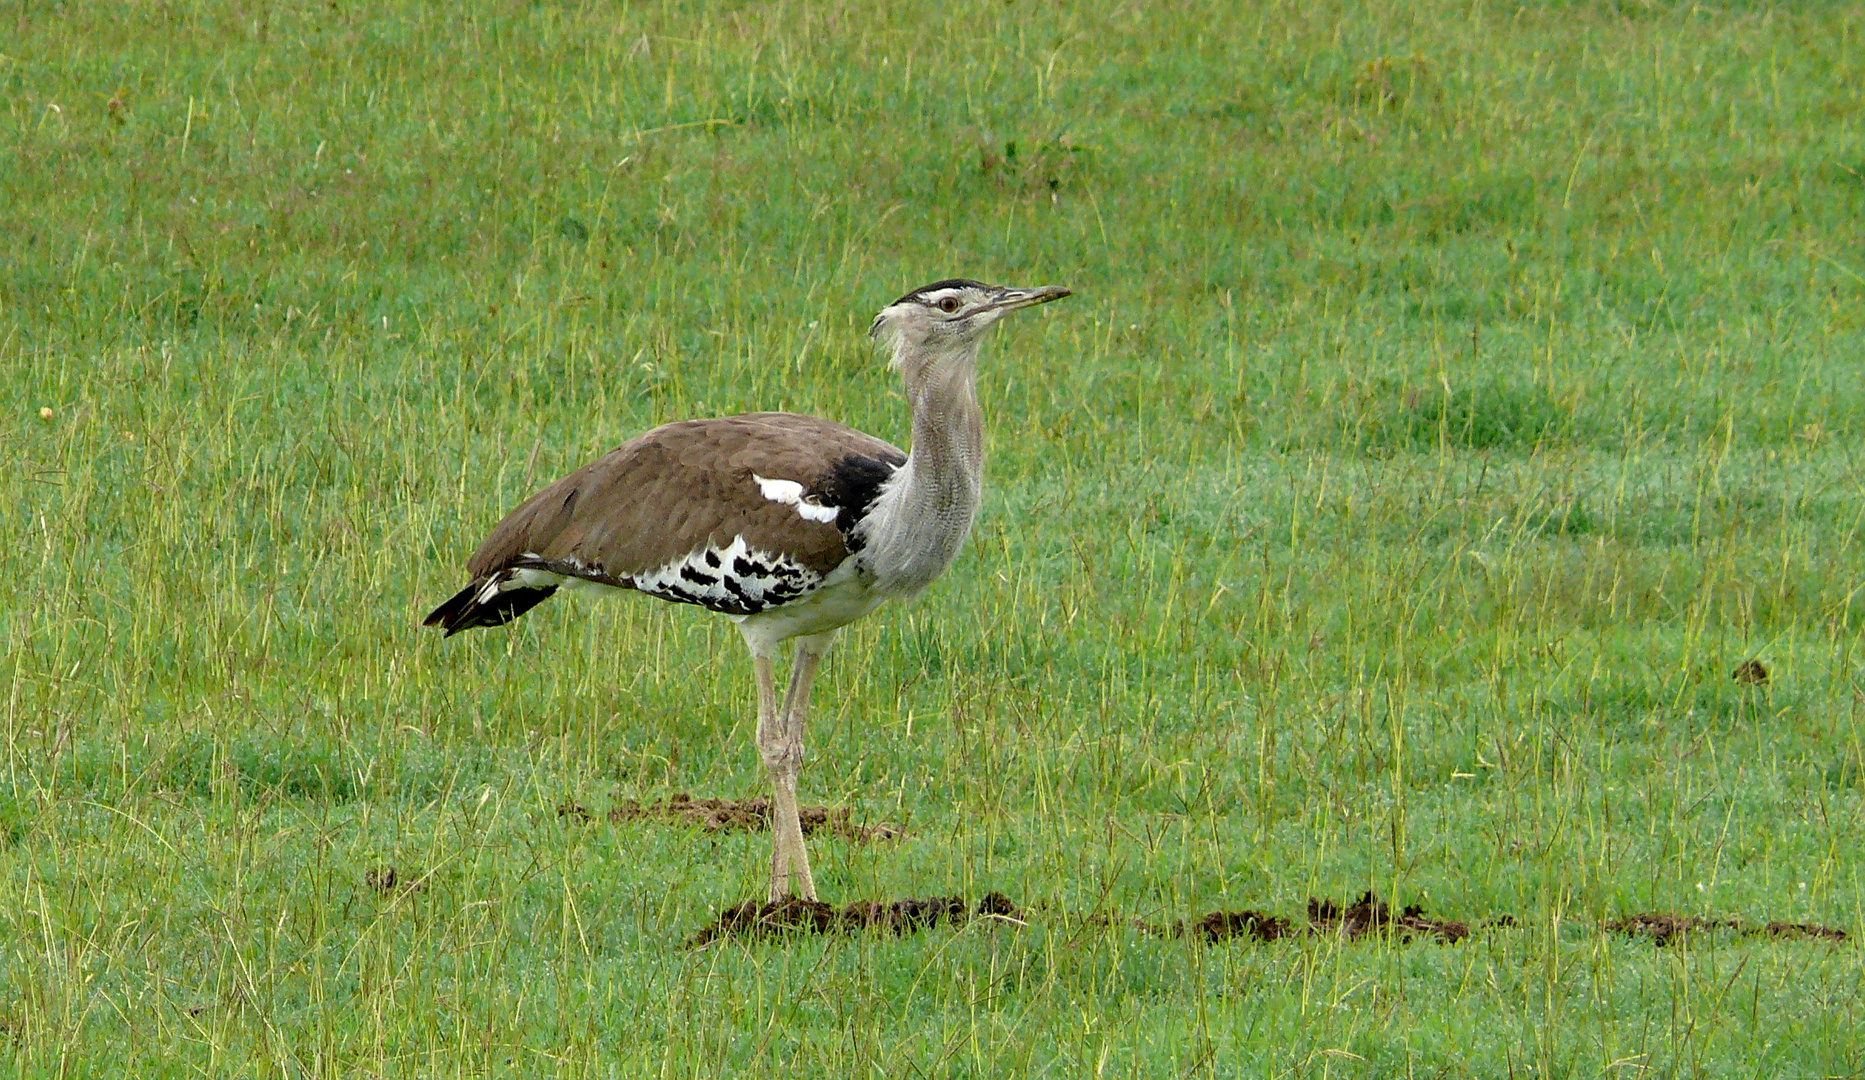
(780,744)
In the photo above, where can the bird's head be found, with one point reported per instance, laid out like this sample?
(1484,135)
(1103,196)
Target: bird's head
(947,318)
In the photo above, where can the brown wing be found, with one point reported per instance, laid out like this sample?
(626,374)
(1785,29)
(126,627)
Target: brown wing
(683,487)
(680,489)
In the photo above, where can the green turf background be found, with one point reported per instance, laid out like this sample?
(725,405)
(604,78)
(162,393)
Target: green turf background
(1454,394)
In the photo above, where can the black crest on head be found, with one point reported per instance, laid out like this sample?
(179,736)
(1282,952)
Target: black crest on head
(949,283)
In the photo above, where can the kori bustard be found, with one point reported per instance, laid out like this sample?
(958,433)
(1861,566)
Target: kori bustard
(792,526)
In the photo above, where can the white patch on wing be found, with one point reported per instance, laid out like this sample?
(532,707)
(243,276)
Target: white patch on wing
(527,577)
(521,577)
(779,491)
(535,577)
(790,493)
(737,578)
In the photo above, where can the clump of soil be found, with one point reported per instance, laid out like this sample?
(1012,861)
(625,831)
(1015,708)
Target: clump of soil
(1370,914)
(386,881)
(1751,673)
(1665,928)
(1803,929)
(1366,916)
(1211,927)
(997,905)
(736,815)
(1224,925)
(795,916)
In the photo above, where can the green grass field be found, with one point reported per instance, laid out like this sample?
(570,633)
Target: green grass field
(1453,396)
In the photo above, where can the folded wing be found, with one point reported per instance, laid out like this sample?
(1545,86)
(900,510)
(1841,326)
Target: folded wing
(737,514)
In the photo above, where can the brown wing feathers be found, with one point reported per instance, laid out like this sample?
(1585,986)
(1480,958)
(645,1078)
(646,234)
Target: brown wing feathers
(676,490)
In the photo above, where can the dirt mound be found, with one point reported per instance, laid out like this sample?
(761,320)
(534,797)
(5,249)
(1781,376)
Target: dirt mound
(1224,925)
(1664,927)
(1803,929)
(794,916)
(1370,914)
(736,815)
(1751,673)
(1213,926)
(386,881)
(1367,915)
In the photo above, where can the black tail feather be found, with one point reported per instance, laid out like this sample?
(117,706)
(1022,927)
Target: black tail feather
(464,611)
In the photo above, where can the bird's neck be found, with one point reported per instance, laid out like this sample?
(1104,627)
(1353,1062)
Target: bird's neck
(922,519)
(948,436)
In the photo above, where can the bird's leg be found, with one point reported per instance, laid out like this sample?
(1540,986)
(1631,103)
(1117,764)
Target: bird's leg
(770,748)
(785,760)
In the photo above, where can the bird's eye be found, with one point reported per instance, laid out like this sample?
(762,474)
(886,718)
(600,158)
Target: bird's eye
(949,304)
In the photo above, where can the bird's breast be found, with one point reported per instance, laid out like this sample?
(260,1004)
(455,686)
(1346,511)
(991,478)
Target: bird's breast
(916,530)
(846,594)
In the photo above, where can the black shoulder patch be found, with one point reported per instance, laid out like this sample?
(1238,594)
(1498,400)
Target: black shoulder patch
(851,486)
(948,283)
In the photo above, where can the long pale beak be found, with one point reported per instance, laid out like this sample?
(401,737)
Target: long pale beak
(1012,299)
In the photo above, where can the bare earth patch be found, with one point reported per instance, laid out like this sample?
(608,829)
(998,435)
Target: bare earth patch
(1370,915)
(387,881)
(794,916)
(736,815)
(1813,930)
(1367,916)
(1224,925)
(1751,673)
(1665,928)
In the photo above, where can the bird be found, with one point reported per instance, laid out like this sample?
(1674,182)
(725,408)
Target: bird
(791,526)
